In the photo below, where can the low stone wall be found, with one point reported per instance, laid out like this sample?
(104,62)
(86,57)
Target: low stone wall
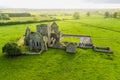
(102,49)
(85,46)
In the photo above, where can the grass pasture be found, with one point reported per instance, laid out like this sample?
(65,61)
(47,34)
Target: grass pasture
(57,64)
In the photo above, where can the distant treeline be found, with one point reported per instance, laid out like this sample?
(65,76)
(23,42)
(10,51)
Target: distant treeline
(25,22)
(17,14)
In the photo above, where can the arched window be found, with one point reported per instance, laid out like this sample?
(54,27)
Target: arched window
(37,44)
(34,43)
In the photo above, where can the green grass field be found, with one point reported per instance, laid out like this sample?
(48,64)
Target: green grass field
(56,64)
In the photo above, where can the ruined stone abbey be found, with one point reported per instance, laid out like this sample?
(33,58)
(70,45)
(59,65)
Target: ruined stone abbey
(49,36)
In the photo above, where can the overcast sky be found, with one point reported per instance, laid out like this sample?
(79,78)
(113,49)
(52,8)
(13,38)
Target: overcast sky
(60,4)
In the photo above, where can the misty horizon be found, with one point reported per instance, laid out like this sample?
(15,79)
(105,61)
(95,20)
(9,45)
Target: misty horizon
(61,4)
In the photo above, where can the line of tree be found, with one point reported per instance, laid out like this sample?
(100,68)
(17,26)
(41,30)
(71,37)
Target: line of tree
(18,14)
(26,22)
(112,15)
(4,17)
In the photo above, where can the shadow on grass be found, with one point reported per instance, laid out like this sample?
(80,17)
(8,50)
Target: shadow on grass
(107,56)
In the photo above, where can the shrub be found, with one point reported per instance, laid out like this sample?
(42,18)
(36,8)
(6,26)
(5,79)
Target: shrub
(11,49)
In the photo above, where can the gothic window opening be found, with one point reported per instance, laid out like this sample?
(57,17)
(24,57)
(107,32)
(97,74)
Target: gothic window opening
(37,44)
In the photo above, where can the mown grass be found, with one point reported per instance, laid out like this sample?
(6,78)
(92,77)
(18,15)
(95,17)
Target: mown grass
(56,64)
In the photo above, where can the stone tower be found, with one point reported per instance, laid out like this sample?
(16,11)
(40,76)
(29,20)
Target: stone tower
(27,36)
(54,28)
(45,31)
